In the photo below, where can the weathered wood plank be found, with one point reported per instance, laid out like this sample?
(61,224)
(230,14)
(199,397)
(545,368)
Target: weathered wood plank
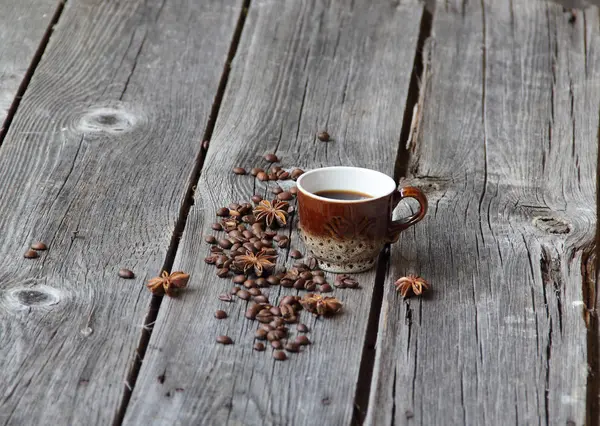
(506,140)
(94,164)
(23,24)
(301,67)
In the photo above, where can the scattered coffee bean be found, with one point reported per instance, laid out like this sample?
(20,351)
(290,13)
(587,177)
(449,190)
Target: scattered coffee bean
(31,254)
(234,290)
(226,244)
(250,283)
(277,322)
(310,285)
(284,196)
(261,298)
(318,272)
(279,355)
(223,212)
(302,328)
(216,226)
(262,282)
(239,170)
(256,198)
(277,190)
(295,254)
(325,288)
(224,340)
(283,175)
(39,246)
(272,335)
(234,206)
(251,313)
(319,279)
(292,347)
(293,190)
(283,243)
(276,344)
(243,294)
(266,327)
(271,158)
(216,249)
(262,176)
(220,314)
(303,340)
(260,334)
(264,316)
(299,284)
(296,173)
(225,297)
(222,272)
(286,283)
(126,273)
(254,291)
(307,275)
(210,239)
(273,280)
(312,263)
(210,259)
(255,171)
(275,311)
(323,136)
(272,176)
(250,219)
(258,346)
(239,279)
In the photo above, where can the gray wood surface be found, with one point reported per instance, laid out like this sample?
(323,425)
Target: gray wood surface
(506,141)
(95,164)
(23,24)
(301,67)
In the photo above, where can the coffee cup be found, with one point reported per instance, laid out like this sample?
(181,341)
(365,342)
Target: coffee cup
(346,215)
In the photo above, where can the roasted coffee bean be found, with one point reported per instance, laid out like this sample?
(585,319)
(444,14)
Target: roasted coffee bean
(288,300)
(276,169)
(235,214)
(259,347)
(272,335)
(283,244)
(281,334)
(243,294)
(292,347)
(257,198)
(255,171)
(261,282)
(250,219)
(126,273)
(223,272)
(235,248)
(210,259)
(239,170)
(271,158)
(239,279)
(310,285)
(216,226)
(254,291)
(278,237)
(279,355)
(225,297)
(31,254)
(221,259)
(277,190)
(251,313)
(301,267)
(276,344)
(286,283)
(299,284)
(318,273)
(272,176)
(323,136)
(293,190)
(307,275)
(287,311)
(216,249)
(302,328)
(319,279)
(224,340)
(266,243)
(270,251)
(294,254)
(258,245)
(234,233)
(262,176)
(264,317)
(253,240)
(312,263)
(210,239)
(261,298)
(247,234)
(223,212)
(277,322)
(283,175)
(266,327)
(275,311)
(250,283)
(296,173)
(302,340)
(219,314)
(39,246)
(325,288)
(260,334)
(234,290)
(284,196)
(227,264)
(233,206)
(273,280)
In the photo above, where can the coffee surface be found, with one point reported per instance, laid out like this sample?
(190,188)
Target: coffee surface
(340,194)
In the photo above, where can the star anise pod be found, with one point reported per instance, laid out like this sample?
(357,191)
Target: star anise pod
(168,283)
(259,261)
(271,212)
(411,283)
(321,305)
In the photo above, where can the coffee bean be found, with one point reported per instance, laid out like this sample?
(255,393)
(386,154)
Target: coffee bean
(31,254)
(293,190)
(272,335)
(254,291)
(239,170)
(210,239)
(299,284)
(307,275)
(302,340)
(243,294)
(302,328)
(295,254)
(223,212)
(222,272)
(284,196)
(292,347)
(224,340)
(226,244)
(291,320)
(250,219)
(277,190)
(216,250)
(251,313)
(266,327)
(258,346)
(258,245)
(264,317)
(323,136)
(262,176)
(283,175)
(210,259)
(288,300)
(225,297)
(301,267)
(272,176)
(219,314)
(283,243)
(255,171)
(221,259)
(271,158)
(262,282)
(205,145)
(325,288)
(281,334)
(234,290)
(319,279)
(257,198)
(296,173)
(279,355)
(276,344)
(126,273)
(260,334)
(286,283)
(273,280)
(275,311)
(216,226)
(261,298)
(250,283)
(310,285)
(39,246)
(318,273)
(277,322)
(239,279)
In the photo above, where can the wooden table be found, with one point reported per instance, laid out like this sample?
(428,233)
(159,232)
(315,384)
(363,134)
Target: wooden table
(491,107)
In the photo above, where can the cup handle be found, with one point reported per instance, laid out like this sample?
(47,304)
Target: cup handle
(398,226)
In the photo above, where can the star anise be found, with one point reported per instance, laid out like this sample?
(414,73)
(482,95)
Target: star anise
(321,305)
(271,212)
(411,283)
(259,261)
(168,283)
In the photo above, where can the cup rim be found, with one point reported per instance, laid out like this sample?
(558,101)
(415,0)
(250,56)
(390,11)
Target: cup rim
(331,200)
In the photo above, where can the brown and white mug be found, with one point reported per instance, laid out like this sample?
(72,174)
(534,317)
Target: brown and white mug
(346,236)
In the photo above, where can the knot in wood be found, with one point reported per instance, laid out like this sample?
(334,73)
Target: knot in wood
(107,120)
(552,225)
(32,297)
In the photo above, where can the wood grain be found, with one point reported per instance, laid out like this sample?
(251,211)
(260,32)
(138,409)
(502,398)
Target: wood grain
(506,140)
(95,164)
(23,24)
(301,67)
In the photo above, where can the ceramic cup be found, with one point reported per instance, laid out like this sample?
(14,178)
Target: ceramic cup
(347,236)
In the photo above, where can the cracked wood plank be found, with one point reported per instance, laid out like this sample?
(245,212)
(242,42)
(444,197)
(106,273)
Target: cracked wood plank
(23,26)
(94,164)
(301,67)
(507,148)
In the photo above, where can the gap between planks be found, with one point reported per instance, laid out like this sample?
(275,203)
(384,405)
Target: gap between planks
(182,219)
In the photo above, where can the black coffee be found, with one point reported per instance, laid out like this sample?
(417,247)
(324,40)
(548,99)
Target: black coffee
(341,194)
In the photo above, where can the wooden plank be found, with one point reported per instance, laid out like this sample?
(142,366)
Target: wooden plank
(301,67)
(506,141)
(23,24)
(95,164)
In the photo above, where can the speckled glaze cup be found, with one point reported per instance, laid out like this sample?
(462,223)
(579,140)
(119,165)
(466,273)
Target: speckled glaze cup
(346,236)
